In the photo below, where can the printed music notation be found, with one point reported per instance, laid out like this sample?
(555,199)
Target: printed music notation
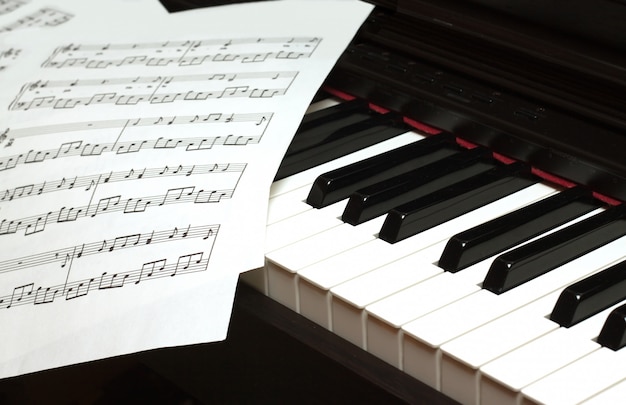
(93,181)
(181,53)
(45,17)
(69,263)
(81,148)
(8,6)
(27,294)
(9,54)
(129,151)
(114,204)
(65,255)
(251,124)
(7,57)
(153,90)
(227,130)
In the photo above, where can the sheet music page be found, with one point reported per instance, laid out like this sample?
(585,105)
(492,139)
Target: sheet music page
(135,167)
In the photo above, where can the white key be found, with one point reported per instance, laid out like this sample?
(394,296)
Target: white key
(291,230)
(385,312)
(291,219)
(288,204)
(462,357)
(424,336)
(282,264)
(504,378)
(316,280)
(352,296)
(307,177)
(580,380)
(348,315)
(612,395)
(288,199)
(302,226)
(386,317)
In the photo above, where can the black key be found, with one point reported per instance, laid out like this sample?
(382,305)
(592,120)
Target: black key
(307,150)
(320,95)
(613,333)
(443,205)
(322,122)
(500,234)
(591,295)
(338,184)
(375,200)
(542,255)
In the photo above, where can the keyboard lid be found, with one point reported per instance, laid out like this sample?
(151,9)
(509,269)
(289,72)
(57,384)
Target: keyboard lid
(500,76)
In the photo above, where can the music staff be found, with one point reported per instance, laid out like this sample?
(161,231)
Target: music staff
(113,204)
(45,17)
(181,53)
(115,244)
(80,148)
(65,94)
(92,181)
(255,122)
(184,264)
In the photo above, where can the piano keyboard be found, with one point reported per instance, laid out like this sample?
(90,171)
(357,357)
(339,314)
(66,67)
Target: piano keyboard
(470,295)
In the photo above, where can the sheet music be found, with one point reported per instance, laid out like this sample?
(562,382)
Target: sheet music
(135,170)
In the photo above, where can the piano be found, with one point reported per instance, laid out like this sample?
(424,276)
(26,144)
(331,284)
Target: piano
(453,203)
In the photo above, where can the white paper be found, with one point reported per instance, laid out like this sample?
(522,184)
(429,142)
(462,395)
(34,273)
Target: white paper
(135,168)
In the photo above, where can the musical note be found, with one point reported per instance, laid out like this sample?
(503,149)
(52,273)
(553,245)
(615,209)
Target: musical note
(182,53)
(93,150)
(45,295)
(34,156)
(122,125)
(114,280)
(9,227)
(121,242)
(91,181)
(38,226)
(212,196)
(105,203)
(176,194)
(135,90)
(115,204)
(132,147)
(151,268)
(18,192)
(68,254)
(68,214)
(138,205)
(67,147)
(21,292)
(185,261)
(79,289)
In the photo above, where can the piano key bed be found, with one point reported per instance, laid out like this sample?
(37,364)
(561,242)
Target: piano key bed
(461,269)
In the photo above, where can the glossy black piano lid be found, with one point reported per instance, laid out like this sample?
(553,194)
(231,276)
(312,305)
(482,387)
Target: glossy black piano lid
(543,95)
